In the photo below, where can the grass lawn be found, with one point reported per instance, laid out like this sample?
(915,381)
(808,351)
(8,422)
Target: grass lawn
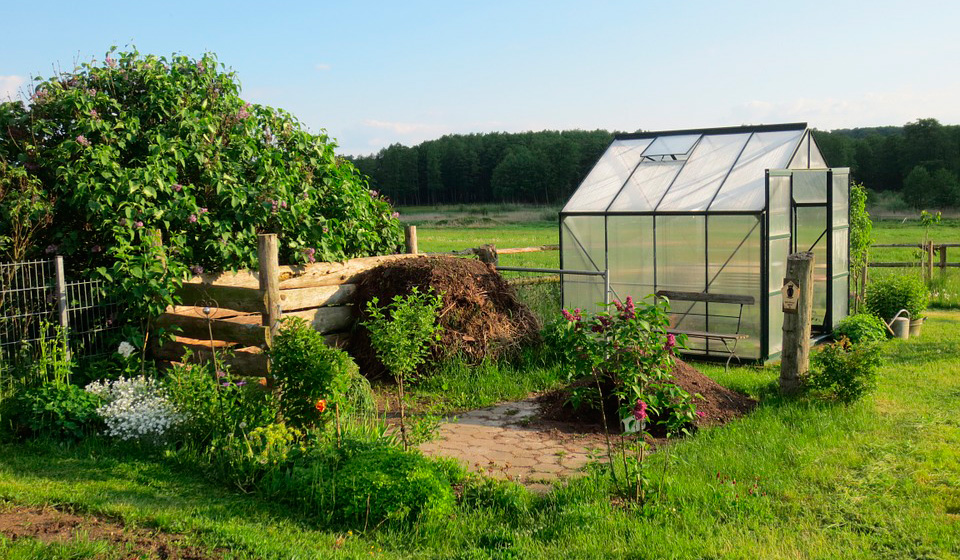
(879,479)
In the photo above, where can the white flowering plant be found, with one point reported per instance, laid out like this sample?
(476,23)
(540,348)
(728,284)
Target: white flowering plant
(135,409)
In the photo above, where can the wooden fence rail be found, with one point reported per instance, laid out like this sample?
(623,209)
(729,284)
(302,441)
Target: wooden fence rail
(927,261)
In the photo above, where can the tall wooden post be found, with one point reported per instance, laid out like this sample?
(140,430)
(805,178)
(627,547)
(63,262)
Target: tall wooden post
(797,314)
(410,237)
(943,259)
(269,275)
(62,309)
(929,250)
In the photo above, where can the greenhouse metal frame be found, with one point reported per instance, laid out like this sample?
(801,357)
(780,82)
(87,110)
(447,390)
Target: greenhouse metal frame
(712,212)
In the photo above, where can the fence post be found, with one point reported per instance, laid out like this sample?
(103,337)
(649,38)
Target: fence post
(269,275)
(410,237)
(943,258)
(797,313)
(929,251)
(62,310)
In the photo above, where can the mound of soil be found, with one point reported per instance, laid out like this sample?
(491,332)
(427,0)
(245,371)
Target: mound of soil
(481,315)
(719,405)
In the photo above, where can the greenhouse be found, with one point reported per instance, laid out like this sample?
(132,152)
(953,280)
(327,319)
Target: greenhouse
(707,218)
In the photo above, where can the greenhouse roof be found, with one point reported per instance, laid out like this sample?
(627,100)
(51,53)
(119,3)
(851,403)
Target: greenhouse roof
(706,170)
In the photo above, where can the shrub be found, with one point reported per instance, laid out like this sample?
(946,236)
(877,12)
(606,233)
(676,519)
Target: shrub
(861,327)
(888,295)
(57,410)
(211,406)
(245,458)
(311,376)
(843,370)
(368,486)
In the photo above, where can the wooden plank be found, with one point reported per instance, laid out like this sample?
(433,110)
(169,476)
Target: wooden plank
(528,249)
(704,334)
(706,297)
(238,279)
(332,274)
(246,300)
(241,361)
(327,319)
(237,329)
(319,296)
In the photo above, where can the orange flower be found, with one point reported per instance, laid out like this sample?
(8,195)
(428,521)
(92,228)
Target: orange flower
(321,405)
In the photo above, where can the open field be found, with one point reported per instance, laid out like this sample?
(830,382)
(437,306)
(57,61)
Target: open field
(878,479)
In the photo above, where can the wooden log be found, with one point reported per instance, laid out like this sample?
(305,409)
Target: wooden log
(326,320)
(795,357)
(319,296)
(236,329)
(410,239)
(239,279)
(269,279)
(241,361)
(332,274)
(246,300)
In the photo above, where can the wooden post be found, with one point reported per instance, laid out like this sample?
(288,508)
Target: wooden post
(269,275)
(410,236)
(795,361)
(62,310)
(943,259)
(929,270)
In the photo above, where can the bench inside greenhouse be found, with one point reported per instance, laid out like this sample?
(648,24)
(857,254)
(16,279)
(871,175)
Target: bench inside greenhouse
(728,339)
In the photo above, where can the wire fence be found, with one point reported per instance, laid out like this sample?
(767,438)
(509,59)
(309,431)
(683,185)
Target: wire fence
(37,303)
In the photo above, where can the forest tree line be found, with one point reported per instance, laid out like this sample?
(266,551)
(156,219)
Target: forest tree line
(921,160)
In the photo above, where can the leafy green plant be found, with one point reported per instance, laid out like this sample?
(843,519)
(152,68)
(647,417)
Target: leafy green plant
(401,333)
(862,327)
(310,375)
(58,410)
(843,370)
(861,228)
(246,458)
(888,295)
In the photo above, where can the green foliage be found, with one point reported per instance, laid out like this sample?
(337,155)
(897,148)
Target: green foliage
(845,371)
(862,327)
(402,331)
(861,229)
(308,371)
(214,407)
(57,410)
(246,458)
(888,295)
(367,486)
(24,212)
(144,143)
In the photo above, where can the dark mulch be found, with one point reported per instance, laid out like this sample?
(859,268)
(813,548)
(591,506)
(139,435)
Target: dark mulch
(51,525)
(719,405)
(481,315)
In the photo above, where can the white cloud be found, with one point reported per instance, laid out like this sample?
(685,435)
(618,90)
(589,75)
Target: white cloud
(10,87)
(321,67)
(865,109)
(405,129)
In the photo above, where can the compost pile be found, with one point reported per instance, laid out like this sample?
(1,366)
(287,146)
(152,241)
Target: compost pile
(719,405)
(481,316)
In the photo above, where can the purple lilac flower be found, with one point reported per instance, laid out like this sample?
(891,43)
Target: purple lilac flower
(111,62)
(192,219)
(374,194)
(240,383)
(200,65)
(671,341)
(39,95)
(243,113)
(203,210)
(82,140)
(221,374)
(138,224)
(92,92)
(51,249)
(196,269)
(177,187)
(640,410)
(94,114)
(310,253)
(395,215)
(283,204)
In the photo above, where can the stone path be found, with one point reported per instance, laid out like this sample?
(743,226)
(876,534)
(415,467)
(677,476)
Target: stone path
(504,442)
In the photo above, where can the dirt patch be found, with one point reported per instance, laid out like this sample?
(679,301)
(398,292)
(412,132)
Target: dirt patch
(719,405)
(481,315)
(51,525)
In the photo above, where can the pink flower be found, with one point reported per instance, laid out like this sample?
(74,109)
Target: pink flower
(177,187)
(192,219)
(111,62)
(138,224)
(701,414)
(374,194)
(309,253)
(82,140)
(671,341)
(640,410)
(94,114)
(203,210)
(325,229)
(395,215)
(196,269)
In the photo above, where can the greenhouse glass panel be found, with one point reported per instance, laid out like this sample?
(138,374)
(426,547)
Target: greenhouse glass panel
(681,266)
(841,199)
(801,160)
(816,158)
(646,186)
(809,187)
(779,205)
(775,332)
(672,145)
(744,187)
(631,257)
(841,263)
(841,298)
(701,177)
(811,232)
(734,268)
(582,239)
(607,177)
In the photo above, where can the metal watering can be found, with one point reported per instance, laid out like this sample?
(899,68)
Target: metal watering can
(899,326)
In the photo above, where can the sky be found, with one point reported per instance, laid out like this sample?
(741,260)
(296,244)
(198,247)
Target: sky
(372,74)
